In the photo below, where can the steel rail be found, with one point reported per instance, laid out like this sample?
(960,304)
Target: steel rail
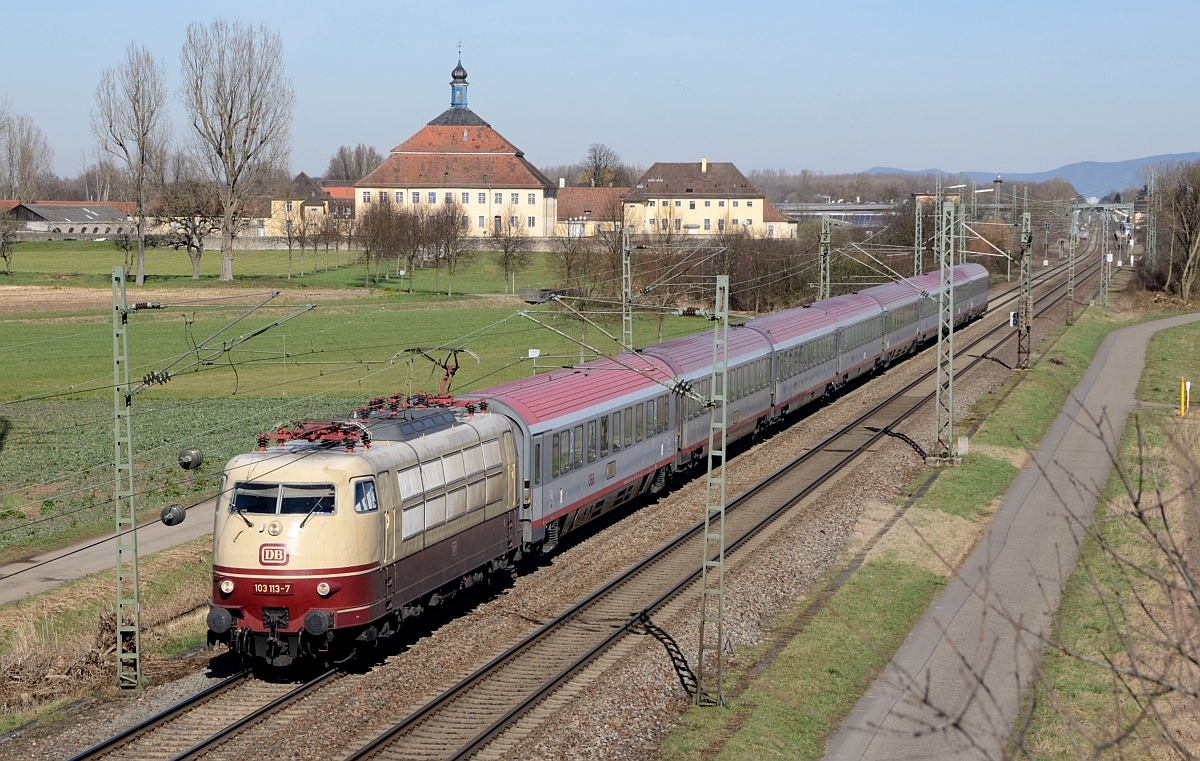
(380,742)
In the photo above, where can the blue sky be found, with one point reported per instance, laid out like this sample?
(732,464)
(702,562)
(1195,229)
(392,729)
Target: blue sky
(827,86)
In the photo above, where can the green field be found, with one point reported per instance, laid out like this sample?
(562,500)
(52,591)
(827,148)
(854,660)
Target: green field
(56,379)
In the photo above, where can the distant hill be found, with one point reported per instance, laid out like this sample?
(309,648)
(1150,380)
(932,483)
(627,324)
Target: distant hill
(1090,178)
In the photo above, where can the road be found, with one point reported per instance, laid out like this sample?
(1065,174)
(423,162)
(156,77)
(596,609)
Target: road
(954,688)
(94,556)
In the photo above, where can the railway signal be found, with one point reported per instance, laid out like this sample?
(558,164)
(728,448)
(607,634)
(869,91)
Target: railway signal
(1025,302)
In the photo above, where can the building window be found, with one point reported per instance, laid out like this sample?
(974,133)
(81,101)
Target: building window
(653,222)
(652,203)
(416,197)
(531,222)
(482,223)
(708,224)
(720,225)
(678,204)
(289,207)
(366,196)
(531,198)
(466,197)
(432,197)
(735,221)
(678,223)
(749,204)
(514,222)
(287,228)
(514,198)
(482,198)
(735,203)
(448,197)
(499,198)
(466,221)
(720,204)
(691,204)
(664,223)
(770,231)
(399,196)
(383,196)
(707,204)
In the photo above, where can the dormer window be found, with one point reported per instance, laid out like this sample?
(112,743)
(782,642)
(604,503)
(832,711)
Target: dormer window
(464,136)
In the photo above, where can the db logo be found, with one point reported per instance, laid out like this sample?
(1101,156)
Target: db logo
(273,554)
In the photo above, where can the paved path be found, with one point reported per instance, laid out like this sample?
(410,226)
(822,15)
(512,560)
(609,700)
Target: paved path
(94,556)
(964,654)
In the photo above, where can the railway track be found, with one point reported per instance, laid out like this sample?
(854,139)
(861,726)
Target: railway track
(472,713)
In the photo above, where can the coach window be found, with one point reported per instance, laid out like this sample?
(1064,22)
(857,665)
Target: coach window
(555,449)
(364,496)
(629,426)
(638,423)
(650,418)
(578,446)
(604,436)
(616,431)
(591,441)
(664,413)
(537,463)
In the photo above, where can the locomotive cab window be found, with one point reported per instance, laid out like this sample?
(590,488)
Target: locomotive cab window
(283,499)
(365,500)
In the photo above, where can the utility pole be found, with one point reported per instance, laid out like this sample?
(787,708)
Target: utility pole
(943,420)
(128,610)
(626,291)
(1072,242)
(1025,306)
(918,238)
(823,275)
(710,690)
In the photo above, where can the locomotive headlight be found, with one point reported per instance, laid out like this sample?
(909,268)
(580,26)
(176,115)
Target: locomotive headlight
(323,589)
(226,586)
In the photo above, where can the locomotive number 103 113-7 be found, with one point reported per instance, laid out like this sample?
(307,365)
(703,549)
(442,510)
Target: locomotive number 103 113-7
(272,589)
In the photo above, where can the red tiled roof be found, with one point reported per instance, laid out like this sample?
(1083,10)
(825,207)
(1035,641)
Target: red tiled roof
(340,191)
(771,214)
(437,156)
(590,203)
(7,206)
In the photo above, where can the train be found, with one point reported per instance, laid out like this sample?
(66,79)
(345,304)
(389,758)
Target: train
(330,534)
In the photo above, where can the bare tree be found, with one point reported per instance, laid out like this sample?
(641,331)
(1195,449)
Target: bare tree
(449,227)
(191,211)
(512,239)
(239,103)
(573,255)
(291,238)
(352,164)
(1180,206)
(330,234)
(412,237)
(8,231)
(130,123)
(377,237)
(602,167)
(26,159)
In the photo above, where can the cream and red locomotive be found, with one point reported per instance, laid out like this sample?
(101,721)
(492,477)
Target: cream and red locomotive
(333,533)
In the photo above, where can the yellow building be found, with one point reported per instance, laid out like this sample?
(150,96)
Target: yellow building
(458,158)
(702,198)
(301,213)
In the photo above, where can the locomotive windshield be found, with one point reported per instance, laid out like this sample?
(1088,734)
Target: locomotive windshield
(282,499)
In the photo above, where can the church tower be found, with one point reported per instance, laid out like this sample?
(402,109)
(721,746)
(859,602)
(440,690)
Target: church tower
(458,86)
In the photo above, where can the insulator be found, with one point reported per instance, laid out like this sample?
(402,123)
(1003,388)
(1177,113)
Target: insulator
(483,405)
(262,442)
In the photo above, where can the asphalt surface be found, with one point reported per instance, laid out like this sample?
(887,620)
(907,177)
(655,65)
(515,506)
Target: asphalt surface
(43,572)
(954,689)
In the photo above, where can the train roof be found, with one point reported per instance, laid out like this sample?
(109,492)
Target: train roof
(892,295)
(562,392)
(848,307)
(695,352)
(784,326)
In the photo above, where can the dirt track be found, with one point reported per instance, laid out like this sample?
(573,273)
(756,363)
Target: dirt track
(19,299)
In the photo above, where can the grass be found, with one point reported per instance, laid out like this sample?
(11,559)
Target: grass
(1172,354)
(90,263)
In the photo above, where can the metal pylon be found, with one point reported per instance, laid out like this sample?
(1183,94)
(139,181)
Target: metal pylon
(943,411)
(1105,257)
(823,275)
(128,610)
(626,292)
(1151,221)
(918,239)
(710,674)
(1072,243)
(1025,304)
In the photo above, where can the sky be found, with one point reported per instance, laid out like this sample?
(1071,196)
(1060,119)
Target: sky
(825,86)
